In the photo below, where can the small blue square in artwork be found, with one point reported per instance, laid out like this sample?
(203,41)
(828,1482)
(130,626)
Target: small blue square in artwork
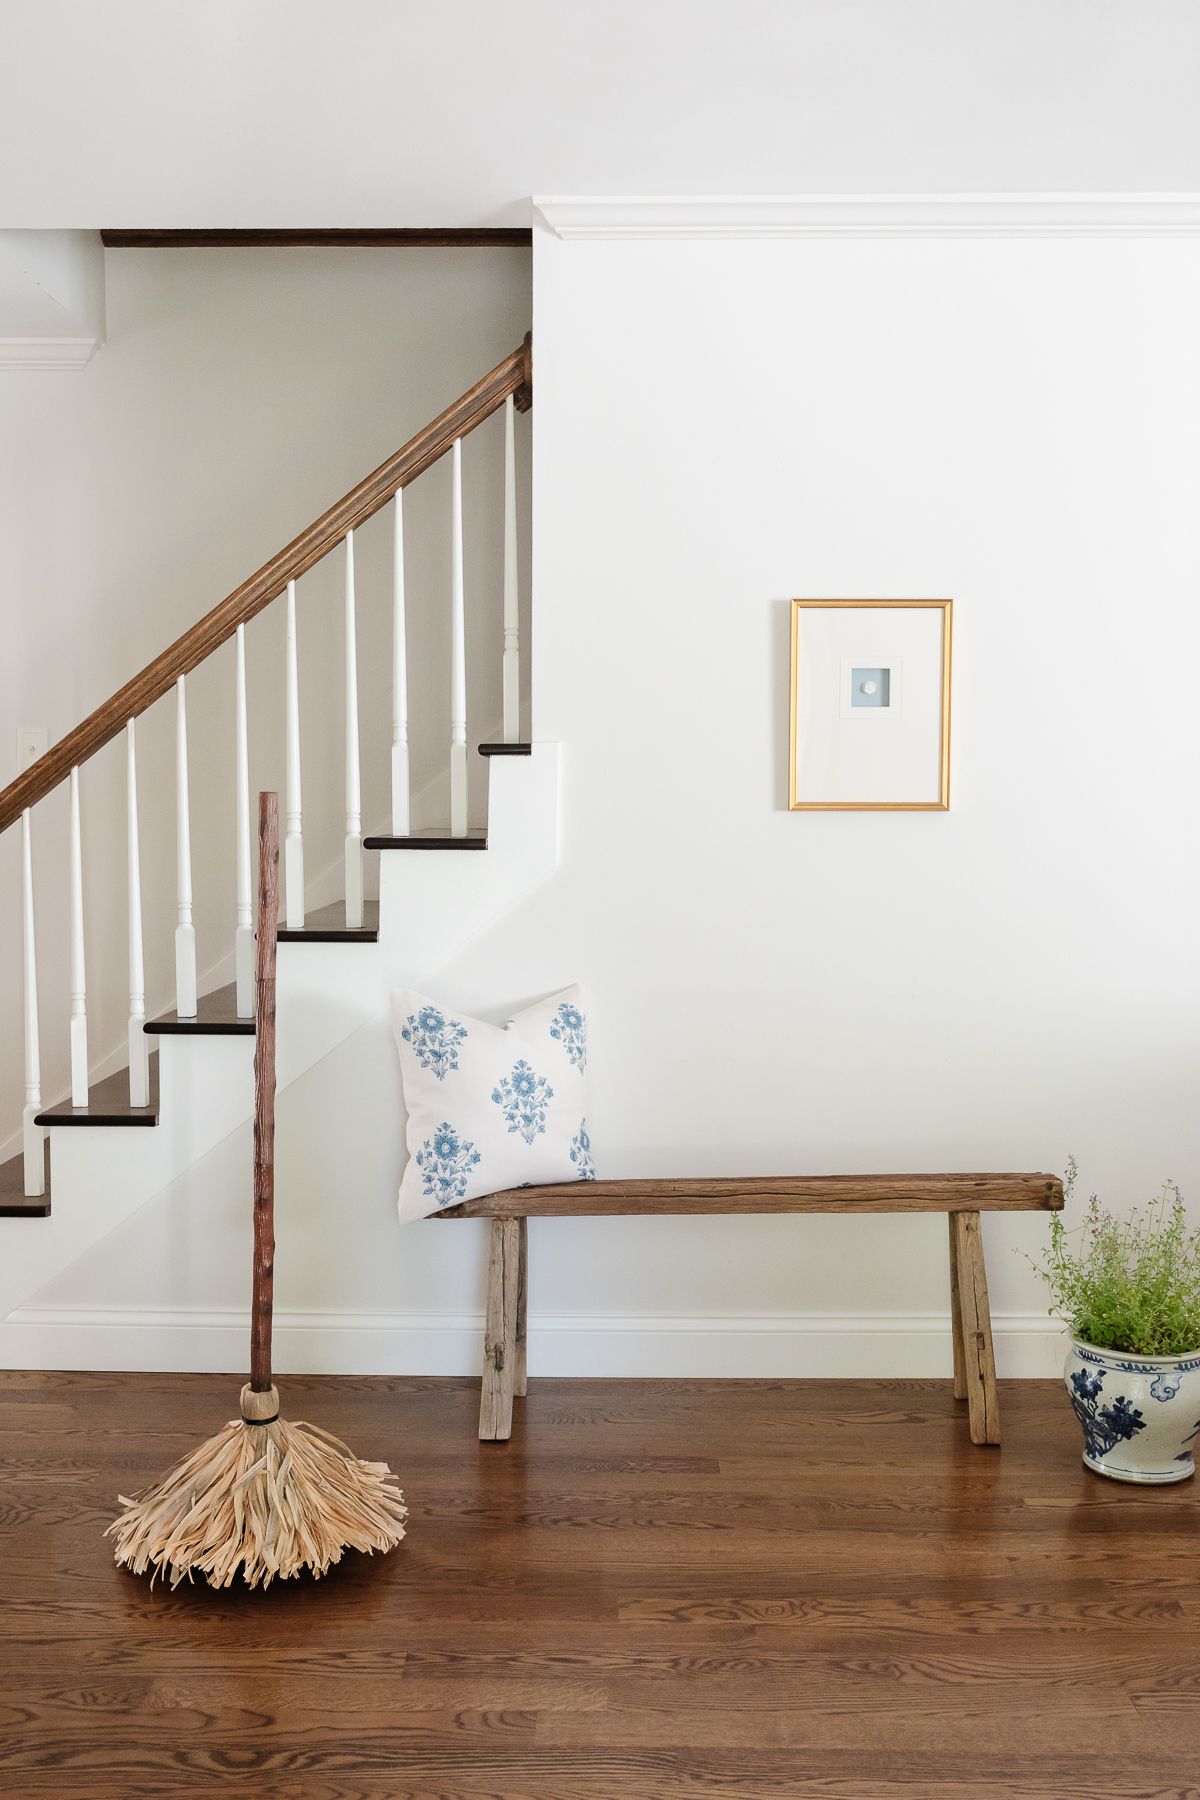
(870,687)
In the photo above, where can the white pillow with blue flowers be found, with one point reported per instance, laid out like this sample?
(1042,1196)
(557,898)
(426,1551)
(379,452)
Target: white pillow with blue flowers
(490,1106)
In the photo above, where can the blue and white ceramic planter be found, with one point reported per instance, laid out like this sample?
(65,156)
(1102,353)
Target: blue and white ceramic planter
(1140,1414)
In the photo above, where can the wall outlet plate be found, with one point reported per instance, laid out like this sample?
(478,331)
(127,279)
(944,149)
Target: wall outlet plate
(32,742)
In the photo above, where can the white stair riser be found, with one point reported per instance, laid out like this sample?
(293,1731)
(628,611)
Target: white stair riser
(100,1175)
(429,903)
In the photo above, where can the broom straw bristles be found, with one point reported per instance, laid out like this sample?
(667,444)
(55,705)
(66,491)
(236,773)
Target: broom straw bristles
(263,1497)
(268,1500)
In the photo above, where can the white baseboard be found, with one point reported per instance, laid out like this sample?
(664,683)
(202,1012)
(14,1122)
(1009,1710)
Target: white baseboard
(765,1345)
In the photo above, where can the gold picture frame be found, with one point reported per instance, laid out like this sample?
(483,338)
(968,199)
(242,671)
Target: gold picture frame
(942,803)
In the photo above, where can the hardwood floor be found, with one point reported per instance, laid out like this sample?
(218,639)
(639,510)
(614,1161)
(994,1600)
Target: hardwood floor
(733,1591)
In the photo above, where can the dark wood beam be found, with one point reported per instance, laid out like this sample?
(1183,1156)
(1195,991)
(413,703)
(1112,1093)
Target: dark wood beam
(456,237)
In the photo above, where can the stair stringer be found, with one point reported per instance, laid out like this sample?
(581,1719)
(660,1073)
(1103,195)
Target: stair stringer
(431,903)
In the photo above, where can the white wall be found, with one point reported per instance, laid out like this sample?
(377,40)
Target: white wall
(396,112)
(721,427)
(240,394)
(51,298)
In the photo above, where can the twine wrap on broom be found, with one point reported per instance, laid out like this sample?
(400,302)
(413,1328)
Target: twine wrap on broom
(263,1496)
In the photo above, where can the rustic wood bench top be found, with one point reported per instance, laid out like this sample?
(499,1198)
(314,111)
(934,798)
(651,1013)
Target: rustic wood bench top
(771,1194)
(961,1197)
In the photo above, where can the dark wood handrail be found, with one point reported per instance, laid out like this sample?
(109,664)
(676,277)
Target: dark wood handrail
(512,376)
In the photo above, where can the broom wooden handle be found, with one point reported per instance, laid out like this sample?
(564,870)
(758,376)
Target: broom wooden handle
(264,1094)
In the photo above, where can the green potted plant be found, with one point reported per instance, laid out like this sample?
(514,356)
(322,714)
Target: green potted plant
(1128,1291)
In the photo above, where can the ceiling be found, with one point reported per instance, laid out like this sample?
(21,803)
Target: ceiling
(137,113)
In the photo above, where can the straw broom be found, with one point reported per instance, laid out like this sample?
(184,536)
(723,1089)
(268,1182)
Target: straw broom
(264,1497)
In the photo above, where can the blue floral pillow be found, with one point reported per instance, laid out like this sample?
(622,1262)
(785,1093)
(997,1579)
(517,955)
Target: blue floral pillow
(490,1106)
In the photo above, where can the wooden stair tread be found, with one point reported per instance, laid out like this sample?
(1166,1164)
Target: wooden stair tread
(771,1194)
(14,1203)
(216,1014)
(428,840)
(506,749)
(328,926)
(108,1103)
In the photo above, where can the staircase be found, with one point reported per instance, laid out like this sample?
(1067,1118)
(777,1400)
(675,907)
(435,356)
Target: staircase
(183,1104)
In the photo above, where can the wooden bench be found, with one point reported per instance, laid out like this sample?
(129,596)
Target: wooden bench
(961,1197)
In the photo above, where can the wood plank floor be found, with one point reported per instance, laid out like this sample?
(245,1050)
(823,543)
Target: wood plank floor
(732,1591)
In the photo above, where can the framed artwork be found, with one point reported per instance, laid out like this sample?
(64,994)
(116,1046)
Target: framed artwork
(870,711)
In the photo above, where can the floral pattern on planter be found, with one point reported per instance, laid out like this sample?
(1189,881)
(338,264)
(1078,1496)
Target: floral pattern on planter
(1166,1382)
(1104,1427)
(435,1040)
(445,1160)
(570,1030)
(581,1153)
(1137,1413)
(1185,1455)
(524,1098)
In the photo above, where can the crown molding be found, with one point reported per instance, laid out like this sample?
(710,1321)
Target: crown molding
(873,216)
(47,352)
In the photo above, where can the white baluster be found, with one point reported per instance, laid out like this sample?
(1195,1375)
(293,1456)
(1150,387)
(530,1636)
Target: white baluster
(401,814)
(458,660)
(33,1136)
(185,931)
(79,1049)
(243,937)
(139,1048)
(293,849)
(354,855)
(512,623)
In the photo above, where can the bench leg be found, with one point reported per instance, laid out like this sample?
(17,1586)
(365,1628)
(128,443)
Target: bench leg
(956,1337)
(520,1371)
(500,1331)
(979,1360)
